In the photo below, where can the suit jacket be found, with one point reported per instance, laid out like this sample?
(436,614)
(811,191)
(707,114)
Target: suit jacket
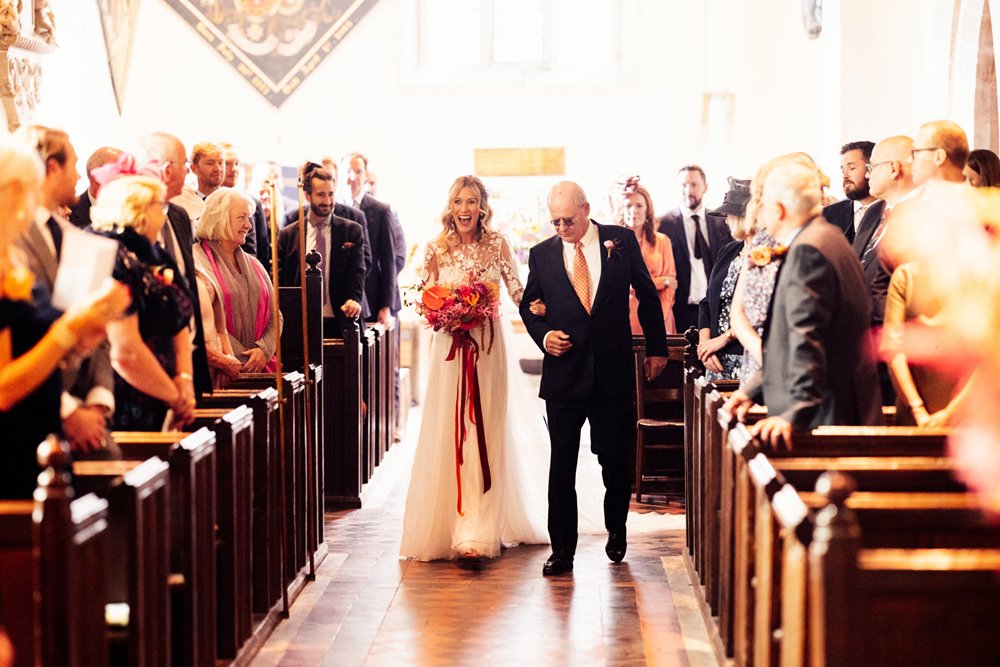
(708,309)
(260,245)
(346,263)
(94,370)
(380,284)
(818,366)
(79,213)
(399,245)
(602,341)
(180,225)
(672,224)
(876,273)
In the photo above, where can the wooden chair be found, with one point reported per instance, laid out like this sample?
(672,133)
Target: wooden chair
(659,456)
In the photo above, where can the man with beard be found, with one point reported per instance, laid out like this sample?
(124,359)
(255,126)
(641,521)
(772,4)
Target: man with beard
(696,240)
(339,241)
(852,213)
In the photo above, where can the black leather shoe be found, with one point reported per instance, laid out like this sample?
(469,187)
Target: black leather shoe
(557,564)
(615,548)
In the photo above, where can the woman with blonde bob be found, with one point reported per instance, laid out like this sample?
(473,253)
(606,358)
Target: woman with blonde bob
(151,346)
(450,512)
(235,291)
(34,338)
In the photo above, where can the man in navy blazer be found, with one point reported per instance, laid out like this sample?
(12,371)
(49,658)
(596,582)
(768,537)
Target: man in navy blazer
(381,291)
(583,275)
(694,262)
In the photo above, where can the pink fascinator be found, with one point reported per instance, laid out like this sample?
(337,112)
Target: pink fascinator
(126,165)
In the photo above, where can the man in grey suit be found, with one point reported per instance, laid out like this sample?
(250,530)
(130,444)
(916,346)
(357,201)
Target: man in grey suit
(817,368)
(88,390)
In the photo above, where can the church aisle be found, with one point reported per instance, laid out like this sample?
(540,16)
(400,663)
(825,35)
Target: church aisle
(368,607)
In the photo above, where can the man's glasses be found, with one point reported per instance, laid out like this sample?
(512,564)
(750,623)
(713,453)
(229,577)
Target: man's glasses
(913,153)
(870,166)
(565,222)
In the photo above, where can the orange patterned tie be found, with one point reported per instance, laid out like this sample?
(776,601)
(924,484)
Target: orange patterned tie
(581,277)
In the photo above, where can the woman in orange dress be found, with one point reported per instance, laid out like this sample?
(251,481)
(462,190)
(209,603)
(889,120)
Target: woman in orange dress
(636,212)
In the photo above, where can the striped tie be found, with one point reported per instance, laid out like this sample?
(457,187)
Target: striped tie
(581,277)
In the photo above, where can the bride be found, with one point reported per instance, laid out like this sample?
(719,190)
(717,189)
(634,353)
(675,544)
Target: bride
(448,514)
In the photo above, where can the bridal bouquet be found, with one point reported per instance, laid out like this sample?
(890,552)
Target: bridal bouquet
(459,309)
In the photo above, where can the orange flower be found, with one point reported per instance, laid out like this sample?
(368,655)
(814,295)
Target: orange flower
(760,255)
(472,298)
(434,297)
(17,283)
(493,288)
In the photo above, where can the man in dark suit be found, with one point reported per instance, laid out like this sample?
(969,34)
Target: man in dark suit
(696,240)
(583,275)
(79,212)
(851,214)
(381,291)
(88,398)
(177,239)
(817,368)
(341,244)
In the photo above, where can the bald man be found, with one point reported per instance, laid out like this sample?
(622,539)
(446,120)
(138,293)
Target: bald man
(816,368)
(79,213)
(583,275)
(939,152)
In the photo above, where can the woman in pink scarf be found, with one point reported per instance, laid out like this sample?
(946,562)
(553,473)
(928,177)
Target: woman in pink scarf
(234,288)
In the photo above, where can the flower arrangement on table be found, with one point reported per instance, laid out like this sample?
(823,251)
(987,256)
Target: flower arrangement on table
(460,310)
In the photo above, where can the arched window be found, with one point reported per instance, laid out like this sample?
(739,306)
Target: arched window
(986,117)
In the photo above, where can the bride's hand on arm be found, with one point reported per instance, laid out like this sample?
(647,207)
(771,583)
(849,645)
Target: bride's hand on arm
(537,307)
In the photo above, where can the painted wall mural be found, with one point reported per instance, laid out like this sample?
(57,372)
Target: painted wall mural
(118,19)
(274,44)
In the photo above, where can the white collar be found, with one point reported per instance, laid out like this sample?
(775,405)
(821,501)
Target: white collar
(590,236)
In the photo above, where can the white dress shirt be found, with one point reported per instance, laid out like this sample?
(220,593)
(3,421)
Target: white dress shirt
(311,245)
(859,213)
(699,279)
(591,243)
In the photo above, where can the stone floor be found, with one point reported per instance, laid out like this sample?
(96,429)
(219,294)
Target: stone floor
(368,607)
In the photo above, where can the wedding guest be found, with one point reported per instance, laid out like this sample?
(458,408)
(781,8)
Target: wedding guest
(88,387)
(849,214)
(381,291)
(816,368)
(208,164)
(940,150)
(340,244)
(151,347)
(177,235)
(983,169)
(236,293)
(34,338)
(636,213)
(718,347)
(258,241)
(695,240)
(80,211)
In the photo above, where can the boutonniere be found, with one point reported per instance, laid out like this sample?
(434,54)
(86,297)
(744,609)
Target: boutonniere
(763,255)
(17,283)
(611,246)
(347,245)
(164,274)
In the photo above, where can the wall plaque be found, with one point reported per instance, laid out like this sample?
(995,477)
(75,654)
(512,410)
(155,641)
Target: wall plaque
(520,161)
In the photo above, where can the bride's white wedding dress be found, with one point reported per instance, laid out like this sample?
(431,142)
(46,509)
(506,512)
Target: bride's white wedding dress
(515,509)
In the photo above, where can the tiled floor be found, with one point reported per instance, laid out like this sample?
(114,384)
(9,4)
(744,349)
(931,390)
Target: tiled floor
(368,607)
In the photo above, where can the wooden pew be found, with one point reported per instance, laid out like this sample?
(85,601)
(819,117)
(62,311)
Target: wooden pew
(693,369)
(752,525)
(369,394)
(192,461)
(136,566)
(52,588)
(884,605)
(342,444)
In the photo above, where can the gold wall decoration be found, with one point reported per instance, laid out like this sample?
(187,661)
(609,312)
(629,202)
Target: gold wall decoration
(274,44)
(118,18)
(27,32)
(520,161)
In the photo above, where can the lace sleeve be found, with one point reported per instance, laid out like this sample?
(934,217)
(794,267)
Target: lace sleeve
(429,269)
(510,272)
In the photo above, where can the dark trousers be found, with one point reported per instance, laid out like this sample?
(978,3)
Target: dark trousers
(612,432)
(685,316)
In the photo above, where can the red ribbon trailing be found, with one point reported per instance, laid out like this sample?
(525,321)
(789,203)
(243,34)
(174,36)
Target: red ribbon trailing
(464,344)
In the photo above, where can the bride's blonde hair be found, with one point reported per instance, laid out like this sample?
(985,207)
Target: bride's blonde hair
(448,238)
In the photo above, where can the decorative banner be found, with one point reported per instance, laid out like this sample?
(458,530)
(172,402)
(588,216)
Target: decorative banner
(118,19)
(273,44)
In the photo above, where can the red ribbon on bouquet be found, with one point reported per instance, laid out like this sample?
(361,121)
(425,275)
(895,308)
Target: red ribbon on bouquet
(464,345)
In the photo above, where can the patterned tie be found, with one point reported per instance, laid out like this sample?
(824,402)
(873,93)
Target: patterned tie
(581,277)
(702,250)
(876,236)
